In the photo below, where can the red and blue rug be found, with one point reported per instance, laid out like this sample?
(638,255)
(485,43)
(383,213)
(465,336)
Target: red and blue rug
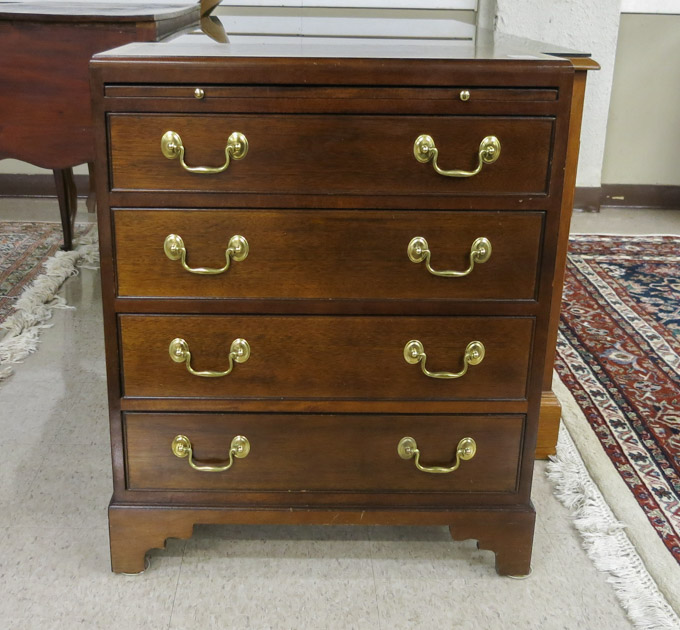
(619,355)
(24,247)
(32,268)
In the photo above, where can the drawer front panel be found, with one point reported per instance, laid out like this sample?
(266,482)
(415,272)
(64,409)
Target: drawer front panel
(326,357)
(321,155)
(322,452)
(329,254)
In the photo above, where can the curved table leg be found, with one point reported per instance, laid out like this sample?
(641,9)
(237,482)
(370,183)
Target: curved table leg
(68,203)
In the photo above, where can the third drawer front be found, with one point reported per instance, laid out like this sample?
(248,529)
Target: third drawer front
(322,452)
(325,357)
(350,254)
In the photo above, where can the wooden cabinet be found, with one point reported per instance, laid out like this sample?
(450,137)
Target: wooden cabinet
(328,285)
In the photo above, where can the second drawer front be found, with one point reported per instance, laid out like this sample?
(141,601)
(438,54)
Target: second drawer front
(331,254)
(317,453)
(326,357)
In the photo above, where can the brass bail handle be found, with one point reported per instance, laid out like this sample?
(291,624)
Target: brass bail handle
(418,250)
(240,447)
(425,150)
(237,250)
(408,449)
(414,352)
(239,352)
(173,148)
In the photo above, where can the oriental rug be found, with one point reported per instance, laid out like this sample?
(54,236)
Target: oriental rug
(618,363)
(32,268)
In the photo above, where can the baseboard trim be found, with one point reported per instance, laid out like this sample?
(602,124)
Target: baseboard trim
(627,196)
(587,199)
(37,185)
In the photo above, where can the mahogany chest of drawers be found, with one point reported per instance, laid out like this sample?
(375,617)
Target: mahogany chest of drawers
(328,285)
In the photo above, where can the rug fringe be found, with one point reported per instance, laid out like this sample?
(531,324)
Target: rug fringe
(605,540)
(34,307)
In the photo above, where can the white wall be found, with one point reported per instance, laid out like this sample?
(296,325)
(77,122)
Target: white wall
(582,25)
(643,131)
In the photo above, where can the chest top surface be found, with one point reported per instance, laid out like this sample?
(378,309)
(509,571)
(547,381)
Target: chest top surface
(483,45)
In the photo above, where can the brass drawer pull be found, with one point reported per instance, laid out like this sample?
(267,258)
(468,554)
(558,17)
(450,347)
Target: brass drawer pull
(418,251)
(179,353)
(237,249)
(408,449)
(414,352)
(425,151)
(240,447)
(172,148)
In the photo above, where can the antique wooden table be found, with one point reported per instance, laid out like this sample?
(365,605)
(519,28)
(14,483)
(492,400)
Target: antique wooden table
(45,49)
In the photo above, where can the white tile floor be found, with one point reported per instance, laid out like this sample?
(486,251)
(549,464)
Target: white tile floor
(55,483)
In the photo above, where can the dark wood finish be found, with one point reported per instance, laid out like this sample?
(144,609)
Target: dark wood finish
(509,534)
(326,357)
(549,420)
(45,98)
(328,254)
(548,426)
(330,155)
(588,199)
(627,196)
(450,96)
(347,453)
(68,202)
(325,406)
(302,355)
(37,185)
(134,529)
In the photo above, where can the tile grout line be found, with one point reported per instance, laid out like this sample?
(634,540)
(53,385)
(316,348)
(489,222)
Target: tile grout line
(375,584)
(179,574)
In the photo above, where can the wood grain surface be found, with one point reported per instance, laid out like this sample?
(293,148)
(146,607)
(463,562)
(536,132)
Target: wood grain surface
(326,357)
(310,453)
(329,155)
(328,254)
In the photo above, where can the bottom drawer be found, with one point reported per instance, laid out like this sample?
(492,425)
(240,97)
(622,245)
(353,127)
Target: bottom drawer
(307,453)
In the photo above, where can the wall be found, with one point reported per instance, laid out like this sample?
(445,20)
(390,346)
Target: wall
(582,25)
(643,131)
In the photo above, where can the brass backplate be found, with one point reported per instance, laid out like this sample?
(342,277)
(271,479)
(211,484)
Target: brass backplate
(417,249)
(413,351)
(173,246)
(423,148)
(407,447)
(170,144)
(239,144)
(241,446)
(178,350)
(240,350)
(475,351)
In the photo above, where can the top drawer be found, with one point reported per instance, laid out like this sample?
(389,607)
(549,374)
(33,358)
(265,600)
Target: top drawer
(333,154)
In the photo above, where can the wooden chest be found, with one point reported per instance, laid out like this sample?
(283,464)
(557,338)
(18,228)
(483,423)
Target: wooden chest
(328,279)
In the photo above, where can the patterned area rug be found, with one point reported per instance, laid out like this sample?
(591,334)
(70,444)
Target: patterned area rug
(32,268)
(619,356)
(23,249)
